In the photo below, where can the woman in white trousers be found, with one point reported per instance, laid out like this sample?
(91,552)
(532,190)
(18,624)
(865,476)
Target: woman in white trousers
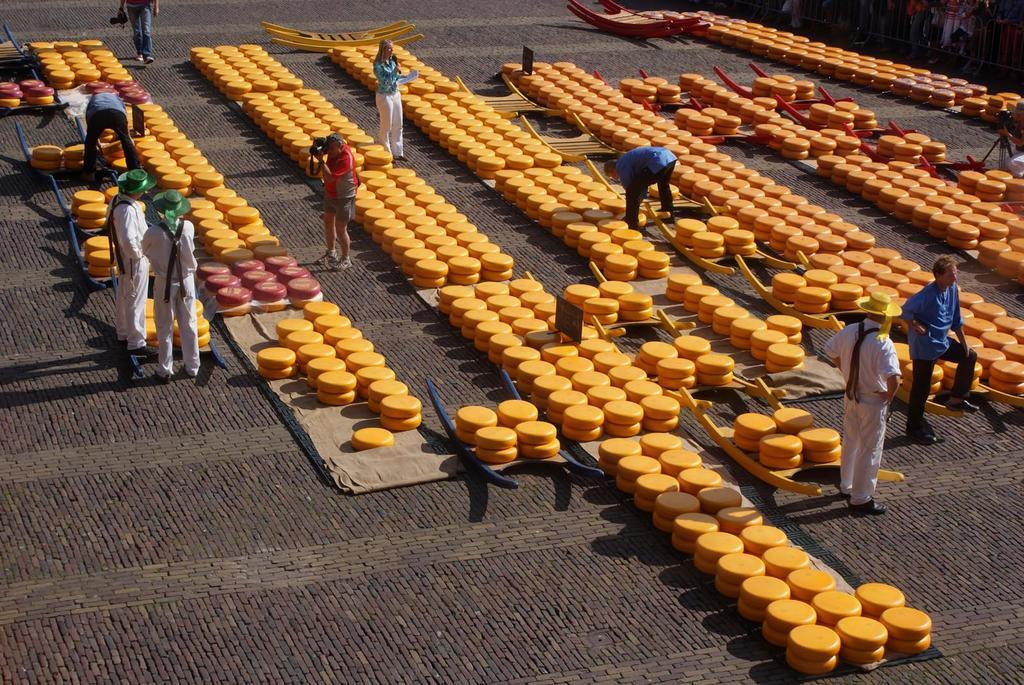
(389,100)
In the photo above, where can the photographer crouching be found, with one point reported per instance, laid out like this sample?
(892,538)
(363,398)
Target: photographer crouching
(338,172)
(1011,128)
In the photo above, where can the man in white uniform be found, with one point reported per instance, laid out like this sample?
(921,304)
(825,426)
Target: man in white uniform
(170,246)
(867,358)
(127,226)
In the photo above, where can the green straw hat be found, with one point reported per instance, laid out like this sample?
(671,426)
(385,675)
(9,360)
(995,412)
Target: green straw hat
(171,204)
(135,182)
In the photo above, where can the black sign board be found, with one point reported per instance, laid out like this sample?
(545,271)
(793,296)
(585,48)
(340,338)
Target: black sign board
(138,121)
(569,319)
(527,60)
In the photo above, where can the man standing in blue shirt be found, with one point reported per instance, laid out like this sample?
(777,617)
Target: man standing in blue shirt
(106,111)
(636,171)
(932,312)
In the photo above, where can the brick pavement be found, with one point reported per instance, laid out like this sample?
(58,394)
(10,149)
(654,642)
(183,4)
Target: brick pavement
(201,548)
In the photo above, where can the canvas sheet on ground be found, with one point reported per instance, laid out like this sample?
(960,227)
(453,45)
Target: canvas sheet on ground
(410,461)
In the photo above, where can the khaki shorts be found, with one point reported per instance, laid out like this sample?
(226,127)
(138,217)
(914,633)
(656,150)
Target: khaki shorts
(344,207)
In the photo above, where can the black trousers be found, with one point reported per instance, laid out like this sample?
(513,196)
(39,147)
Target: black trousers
(639,186)
(922,380)
(103,120)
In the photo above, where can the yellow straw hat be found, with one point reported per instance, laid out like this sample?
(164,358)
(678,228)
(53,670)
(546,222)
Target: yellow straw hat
(880,304)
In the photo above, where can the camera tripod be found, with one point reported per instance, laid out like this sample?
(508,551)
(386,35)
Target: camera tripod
(1005,149)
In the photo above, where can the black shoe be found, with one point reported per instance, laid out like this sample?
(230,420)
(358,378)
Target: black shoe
(844,495)
(162,379)
(922,437)
(146,352)
(149,60)
(962,405)
(869,508)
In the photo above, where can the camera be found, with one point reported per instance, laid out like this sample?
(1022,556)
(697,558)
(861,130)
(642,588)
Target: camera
(121,19)
(319,146)
(1004,119)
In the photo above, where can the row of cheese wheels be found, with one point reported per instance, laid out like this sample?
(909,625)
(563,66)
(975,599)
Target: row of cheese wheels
(279,104)
(527,173)
(268,285)
(425,235)
(503,435)
(66,64)
(650,89)
(25,92)
(786,439)
(55,157)
(339,364)
(919,85)
(760,205)
(774,584)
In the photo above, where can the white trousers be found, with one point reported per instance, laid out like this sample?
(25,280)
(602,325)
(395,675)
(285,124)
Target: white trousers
(181,308)
(1015,165)
(130,303)
(390,134)
(863,438)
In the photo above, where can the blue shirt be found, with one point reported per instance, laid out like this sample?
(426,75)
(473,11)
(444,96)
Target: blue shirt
(387,76)
(103,101)
(652,159)
(939,311)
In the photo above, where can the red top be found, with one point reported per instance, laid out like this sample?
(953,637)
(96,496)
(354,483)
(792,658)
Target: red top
(338,167)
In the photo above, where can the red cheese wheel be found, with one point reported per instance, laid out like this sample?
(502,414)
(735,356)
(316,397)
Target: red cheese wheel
(269,291)
(216,282)
(30,83)
(303,288)
(250,279)
(211,268)
(240,267)
(288,273)
(233,296)
(276,263)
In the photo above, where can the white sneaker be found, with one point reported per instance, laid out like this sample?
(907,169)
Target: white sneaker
(345,263)
(329,259)
(139,58)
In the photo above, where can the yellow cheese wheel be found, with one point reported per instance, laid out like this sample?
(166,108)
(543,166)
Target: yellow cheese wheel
(875,598)
(832,606)
(696,479)
(713,546)
(759,591)
(861,633)
(714,499)
(908,646)
(906,624)
(688,528)
(735,519)
(674,462)
(544,451)
(400,406)
(813,643)
(311,311)
(513,412)
(336,382)
(861,657)
(334,399)
(805,583)
(615,449)
(791,420)
(735,568)
(650,485)
(819,439)
(581,417)
(692,347)
(781,561)
(286,327)
(498,456)
(632,467)
(714,364)
(535,432)
(372,438)
(278,374)
(672,503)
(495,438)
(780,446)
(275,358)
(811,667)
(759,539)
(471,419)
(786,614)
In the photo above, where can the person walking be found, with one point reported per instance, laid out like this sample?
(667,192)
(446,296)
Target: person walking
(867,358)
(170,246)
(636,171)
(932,313)
(389,100)
(127,226)
(104,112)
(140,15)
(340,183)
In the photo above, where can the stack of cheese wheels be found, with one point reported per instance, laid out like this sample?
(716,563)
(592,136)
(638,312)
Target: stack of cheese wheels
(780,451)
(377,391)
(757,592)
(863,639)
(96,252)
(649,486)
(907,377)
(629,469)
(710,547)
(805,583)
(89,208)
(832,606)
(736,519)
(560,400)
(372,438)
(274,363)
(741,330)
(47,157)
(781,561)
(876,598)
(791,420)
(812,649)
(1007,376)
(661,413)
(623,418)
(715,499)
(714,369)
(782,616)
(537,439)
(670,504)
(495,444)
(762,339)
(336,388)
(820,445)
(910,630)
(786,285)
(611,451)
(546,385)
(732,570)
(400,412)
(470,419)
(581,422)
(651,353)
(676,372)
(695,479)
(749,428)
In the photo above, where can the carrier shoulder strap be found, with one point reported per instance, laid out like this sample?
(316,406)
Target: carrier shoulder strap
(175,237)
(115,244)
(851,382)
